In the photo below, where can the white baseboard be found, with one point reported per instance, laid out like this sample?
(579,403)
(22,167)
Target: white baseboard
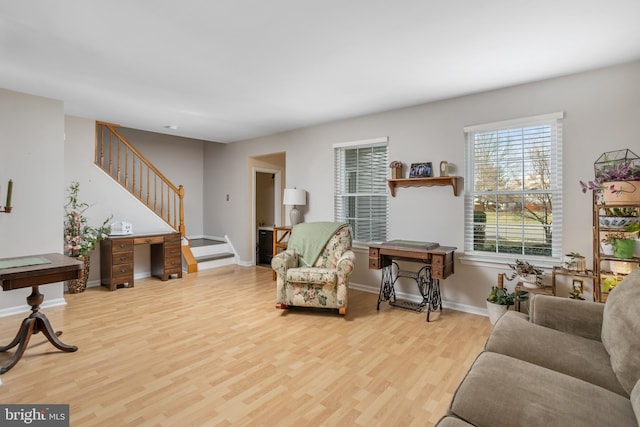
(20,309)
(417,299)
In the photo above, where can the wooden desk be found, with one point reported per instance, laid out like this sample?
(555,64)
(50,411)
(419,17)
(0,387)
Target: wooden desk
(116,257)
(57,268)
(438,262)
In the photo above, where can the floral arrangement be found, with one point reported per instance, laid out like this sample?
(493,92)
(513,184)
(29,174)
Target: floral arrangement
(395,164)
(80,238)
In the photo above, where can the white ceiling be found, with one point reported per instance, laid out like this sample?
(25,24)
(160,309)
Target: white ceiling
(229,70)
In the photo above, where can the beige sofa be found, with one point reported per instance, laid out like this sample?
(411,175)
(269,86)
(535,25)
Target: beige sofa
(570,363)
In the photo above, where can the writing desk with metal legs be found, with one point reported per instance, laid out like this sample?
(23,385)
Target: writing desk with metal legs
(437,264)
(33,271)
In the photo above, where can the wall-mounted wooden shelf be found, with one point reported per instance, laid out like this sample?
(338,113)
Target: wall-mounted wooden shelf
(423,182)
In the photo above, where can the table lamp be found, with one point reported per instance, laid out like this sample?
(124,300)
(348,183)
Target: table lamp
(294,197)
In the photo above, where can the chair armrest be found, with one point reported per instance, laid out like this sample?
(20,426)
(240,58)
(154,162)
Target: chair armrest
(582,318)
(281,262)
(345,263)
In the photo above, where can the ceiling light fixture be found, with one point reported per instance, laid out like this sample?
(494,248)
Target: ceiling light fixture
(172,127)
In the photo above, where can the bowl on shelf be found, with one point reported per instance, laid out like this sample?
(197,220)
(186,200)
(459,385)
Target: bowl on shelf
(617,221)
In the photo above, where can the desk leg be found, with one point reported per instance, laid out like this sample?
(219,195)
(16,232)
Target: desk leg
(387,291)
(36,322)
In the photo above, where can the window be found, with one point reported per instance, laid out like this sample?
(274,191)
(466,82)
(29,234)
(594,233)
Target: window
(513,202)
(361,194)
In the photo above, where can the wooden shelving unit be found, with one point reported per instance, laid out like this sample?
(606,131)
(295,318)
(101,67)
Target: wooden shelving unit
(423,182)
(600,260)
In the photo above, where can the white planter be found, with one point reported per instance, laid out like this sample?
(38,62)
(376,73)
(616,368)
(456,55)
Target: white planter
(607,248)
(496,311)
(529,280)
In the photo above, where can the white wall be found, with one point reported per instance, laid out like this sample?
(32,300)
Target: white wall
(31,153)
(601,114)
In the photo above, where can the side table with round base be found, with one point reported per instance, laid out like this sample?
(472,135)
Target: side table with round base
(48,268)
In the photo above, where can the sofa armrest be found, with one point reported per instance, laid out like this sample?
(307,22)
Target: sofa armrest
(281,262)
(345,264)
(582,318)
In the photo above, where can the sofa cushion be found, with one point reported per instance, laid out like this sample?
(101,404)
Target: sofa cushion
(621,330)
(573,355)
(500,390)
(312,275)
(567,315)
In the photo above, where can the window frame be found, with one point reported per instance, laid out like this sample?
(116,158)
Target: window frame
(340,181)
(554,120)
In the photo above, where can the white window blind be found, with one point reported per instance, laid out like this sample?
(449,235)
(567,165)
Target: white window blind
(361,196)
(513,205)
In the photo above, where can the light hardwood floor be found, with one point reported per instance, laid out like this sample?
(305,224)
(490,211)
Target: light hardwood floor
(211,350)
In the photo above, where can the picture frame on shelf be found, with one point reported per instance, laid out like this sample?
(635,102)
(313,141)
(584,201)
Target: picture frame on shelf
(577,285)
(420,170)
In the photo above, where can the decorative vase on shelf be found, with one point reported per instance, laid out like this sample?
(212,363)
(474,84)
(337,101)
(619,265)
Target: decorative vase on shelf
(396,173)
(623,248)
(77,286)
(621,192)
(617,221)
(607,248)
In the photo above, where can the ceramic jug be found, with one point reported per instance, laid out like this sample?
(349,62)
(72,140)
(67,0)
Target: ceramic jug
(444,168)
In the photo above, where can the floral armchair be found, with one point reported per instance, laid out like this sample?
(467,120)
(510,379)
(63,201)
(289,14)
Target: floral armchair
(325,282)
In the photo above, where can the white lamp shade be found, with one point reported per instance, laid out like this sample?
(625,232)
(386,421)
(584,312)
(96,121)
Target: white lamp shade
(294,196)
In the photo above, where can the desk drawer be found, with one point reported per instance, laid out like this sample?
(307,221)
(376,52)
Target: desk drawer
(374,263)
(173,262)
(118,258)
(150,240)
(173,239)
(123,271)
(374,259)
(172,250)
(122,245)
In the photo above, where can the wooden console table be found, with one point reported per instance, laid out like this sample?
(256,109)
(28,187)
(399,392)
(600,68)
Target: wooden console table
(34,271)
(116,257)
(438,264)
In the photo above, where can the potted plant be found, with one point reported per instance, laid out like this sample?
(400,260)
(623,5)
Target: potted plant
(80,238)
(530,275)
(616,177)
(623,243)
(618,217)
(498,302)
(575,262)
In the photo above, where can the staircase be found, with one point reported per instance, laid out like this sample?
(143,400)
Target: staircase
(211,253)
(122,162)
